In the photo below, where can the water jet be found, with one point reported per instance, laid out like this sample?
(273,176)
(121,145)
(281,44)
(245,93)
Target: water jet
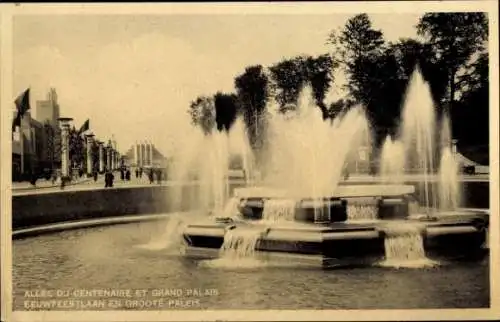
(302,210)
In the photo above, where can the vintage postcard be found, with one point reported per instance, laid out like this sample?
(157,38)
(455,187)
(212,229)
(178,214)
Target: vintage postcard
(249,161)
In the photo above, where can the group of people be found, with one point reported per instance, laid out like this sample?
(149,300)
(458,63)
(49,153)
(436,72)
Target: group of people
(151,174)
(109,177)
(124,174)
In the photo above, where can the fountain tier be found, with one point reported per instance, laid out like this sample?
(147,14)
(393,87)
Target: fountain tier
(319,232)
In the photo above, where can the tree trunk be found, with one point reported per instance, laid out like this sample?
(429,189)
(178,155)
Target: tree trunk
(452,91)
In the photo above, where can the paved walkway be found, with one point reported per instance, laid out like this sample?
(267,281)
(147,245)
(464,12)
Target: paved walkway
(44,186)
(90,184)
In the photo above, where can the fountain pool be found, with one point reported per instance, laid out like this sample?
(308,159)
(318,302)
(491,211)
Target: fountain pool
(130,256)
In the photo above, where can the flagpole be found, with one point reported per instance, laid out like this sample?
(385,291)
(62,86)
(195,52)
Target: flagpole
(21,137)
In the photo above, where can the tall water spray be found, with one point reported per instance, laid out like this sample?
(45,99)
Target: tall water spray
(307,154)
(205,158)
(418,132)
(239,146)
(392,161)
(449,188)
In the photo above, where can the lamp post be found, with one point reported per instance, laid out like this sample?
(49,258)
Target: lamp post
(65,124)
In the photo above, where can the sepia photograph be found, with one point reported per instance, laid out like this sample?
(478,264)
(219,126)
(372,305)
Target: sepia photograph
(220,161)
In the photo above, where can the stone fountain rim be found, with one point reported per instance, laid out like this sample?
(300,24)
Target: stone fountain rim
(343,191)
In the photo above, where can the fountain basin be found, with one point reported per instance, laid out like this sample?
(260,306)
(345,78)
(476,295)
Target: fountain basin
(340,244)
(336,240)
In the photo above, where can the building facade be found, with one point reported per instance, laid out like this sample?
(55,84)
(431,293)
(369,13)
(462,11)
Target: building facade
(36,143)
(144,155)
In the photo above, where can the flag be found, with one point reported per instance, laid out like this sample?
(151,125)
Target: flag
(22,105)
(84,127)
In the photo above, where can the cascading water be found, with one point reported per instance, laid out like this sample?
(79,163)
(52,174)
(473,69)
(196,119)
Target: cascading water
(240,243)
(276,210)
(238,249)
(357,212)
(404,246)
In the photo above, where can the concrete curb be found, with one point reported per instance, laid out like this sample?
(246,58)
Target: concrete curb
(108,221)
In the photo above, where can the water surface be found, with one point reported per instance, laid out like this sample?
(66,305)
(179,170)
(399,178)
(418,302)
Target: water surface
(128,257)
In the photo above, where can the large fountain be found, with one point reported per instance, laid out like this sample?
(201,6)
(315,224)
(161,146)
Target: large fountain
(299,207)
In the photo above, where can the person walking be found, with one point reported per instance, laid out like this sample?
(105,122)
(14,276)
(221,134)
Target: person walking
(158,176)
(127,175)
(108,179)
(151,176)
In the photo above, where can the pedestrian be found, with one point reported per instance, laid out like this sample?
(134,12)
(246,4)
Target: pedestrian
(33,179)
(111,180)
(108,179)
(122,174)
(63,182)
(151,176)
(158,175)
(136,173)
(127,175)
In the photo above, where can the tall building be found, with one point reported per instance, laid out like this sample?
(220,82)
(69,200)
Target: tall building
(35,144)
(48,110)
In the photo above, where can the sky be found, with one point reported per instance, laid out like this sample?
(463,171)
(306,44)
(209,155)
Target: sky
(134,75)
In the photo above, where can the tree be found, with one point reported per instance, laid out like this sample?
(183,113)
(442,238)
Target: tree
(290,76)
(319,73)
(76,147)
(471,112)
(53,144)
(252,91)
(226,109)
(355,47)
(202,113)
(454,39)
(409,53)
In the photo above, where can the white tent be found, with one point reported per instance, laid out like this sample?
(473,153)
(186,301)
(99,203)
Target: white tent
(466,162)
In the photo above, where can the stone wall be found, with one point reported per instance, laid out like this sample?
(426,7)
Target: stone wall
(46,208)
(52,207)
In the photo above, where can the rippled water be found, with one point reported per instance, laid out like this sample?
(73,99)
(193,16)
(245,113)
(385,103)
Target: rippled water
(112,257)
